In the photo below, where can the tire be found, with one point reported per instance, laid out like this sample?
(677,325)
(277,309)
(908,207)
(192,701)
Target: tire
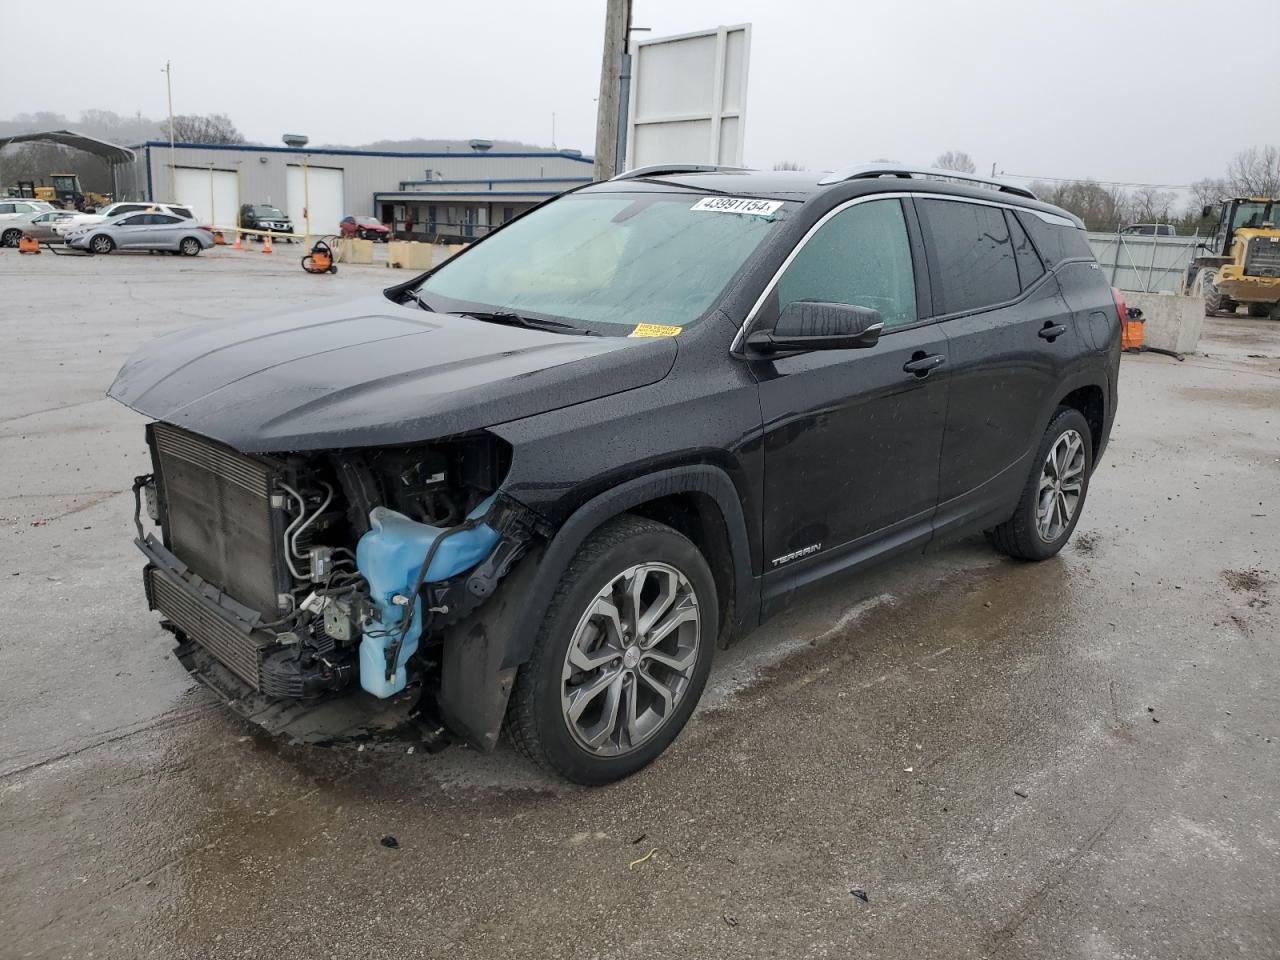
(598,746)
(1214,301)
(189,247)
(1029,534)
(1260,309)
(101,244)
(10,238)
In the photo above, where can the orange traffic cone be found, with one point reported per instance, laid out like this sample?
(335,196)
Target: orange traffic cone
(237,243)
(266,246)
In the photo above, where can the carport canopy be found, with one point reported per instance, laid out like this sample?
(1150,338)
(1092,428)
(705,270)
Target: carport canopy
(112,153)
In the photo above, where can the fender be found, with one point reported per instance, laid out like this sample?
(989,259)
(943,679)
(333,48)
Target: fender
(483,653)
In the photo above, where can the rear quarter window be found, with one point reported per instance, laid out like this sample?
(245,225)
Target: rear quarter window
(1056,242)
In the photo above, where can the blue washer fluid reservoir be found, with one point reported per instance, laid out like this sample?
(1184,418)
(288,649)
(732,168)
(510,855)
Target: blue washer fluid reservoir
(390,556)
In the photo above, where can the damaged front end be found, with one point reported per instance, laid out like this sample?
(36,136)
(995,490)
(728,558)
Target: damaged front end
(313,590)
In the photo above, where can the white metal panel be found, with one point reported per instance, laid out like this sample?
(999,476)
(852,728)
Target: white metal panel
(689,97)
(322,189)
(211,194)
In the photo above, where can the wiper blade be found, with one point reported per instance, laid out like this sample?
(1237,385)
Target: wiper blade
(519,320)
(421,301)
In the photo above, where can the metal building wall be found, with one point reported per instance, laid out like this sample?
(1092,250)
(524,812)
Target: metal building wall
(263,169)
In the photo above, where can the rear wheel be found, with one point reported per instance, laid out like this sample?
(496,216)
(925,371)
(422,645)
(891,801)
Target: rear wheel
(1261,309)
(1054,494)
(10,238)
(622,656)
(102,244)
(189,247)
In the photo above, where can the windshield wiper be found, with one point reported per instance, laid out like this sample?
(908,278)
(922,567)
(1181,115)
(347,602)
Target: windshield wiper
(420,301)
(519,320)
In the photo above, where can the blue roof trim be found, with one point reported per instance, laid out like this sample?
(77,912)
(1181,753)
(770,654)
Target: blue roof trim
(339,152)
(506,180)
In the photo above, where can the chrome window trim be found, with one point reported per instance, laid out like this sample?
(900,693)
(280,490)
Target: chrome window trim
(740,338)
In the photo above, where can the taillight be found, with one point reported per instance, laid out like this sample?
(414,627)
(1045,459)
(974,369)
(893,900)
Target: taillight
(1121,309)
(206,227)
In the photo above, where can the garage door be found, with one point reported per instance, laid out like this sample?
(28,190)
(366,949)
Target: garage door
(211,194)
(324,188)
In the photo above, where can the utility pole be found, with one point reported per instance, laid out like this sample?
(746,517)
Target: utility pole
(617,20)
(173,176)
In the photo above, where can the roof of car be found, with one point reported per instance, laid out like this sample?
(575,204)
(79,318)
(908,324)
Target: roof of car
(801,186)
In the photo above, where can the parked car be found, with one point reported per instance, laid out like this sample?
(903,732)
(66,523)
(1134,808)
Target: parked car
(15,210)
(37,225)
(540,483)
(120,208)
(1149,230)
(143,231)
(261,216)
(366,228)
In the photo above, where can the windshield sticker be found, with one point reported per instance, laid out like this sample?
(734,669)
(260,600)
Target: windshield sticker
(654,330)
(758,208)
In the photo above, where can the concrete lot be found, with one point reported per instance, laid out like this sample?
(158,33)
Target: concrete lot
(1079,758)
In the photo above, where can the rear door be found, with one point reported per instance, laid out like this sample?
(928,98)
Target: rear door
(852,437)
(1010,338)
(166,230)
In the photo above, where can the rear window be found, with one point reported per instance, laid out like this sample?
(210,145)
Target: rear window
(1056,242)
(972,255)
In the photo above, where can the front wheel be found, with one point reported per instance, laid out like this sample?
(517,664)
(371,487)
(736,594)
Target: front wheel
(1053,497)
(102,244)
(189,247)
(622,656)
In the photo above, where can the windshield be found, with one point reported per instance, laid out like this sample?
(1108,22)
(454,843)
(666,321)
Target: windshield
(1253,214)
(605,261)
(268,212)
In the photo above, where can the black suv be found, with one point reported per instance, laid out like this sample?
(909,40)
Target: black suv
(261,216)
(540,483)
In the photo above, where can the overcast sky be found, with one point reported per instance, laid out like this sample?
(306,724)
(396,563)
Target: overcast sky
(1127,90)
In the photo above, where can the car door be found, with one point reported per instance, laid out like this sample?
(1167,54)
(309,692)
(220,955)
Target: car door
(1010,337)
(163,234)
(852,437)
(131,232)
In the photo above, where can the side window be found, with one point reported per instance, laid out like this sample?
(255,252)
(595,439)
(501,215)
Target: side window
(1030,269)
(158,218)
(861,257)
(180,212)
(134,221)
(6,208)
(1056,242)
(972,252)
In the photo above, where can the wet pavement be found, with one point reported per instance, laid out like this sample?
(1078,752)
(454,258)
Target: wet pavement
(958,756)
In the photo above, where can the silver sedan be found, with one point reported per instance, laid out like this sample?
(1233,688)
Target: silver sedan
(143,231)
(37,226)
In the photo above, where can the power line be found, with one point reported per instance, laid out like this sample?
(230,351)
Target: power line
(1104,183)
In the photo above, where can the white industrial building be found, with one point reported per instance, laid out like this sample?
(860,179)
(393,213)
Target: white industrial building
(460,194)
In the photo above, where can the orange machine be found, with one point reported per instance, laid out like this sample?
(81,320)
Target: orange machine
(320,259)
(28,244)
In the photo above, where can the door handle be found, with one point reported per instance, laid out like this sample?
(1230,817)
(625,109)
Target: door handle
(920,364)
(1052,331)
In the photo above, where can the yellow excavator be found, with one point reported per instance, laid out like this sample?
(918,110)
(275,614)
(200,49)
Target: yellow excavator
(1241,262)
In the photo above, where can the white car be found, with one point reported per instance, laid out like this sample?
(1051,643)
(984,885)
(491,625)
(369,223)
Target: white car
(14,208)
(119,208)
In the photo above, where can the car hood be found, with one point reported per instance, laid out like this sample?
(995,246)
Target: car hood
(370,373)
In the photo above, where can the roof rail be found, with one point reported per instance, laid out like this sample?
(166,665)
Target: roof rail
(867,171)
(658,169)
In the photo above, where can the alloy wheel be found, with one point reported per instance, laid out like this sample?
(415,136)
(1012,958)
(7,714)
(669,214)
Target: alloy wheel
(10,238)
(1061,484)
(190,247)
(631,659)
(102,244)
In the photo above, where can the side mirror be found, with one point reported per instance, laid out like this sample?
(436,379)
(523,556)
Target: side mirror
(810,325)
(1206,211)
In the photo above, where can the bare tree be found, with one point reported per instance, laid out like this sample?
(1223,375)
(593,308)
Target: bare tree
(1255,172)
(195,128)
(956,160)
(787,165)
